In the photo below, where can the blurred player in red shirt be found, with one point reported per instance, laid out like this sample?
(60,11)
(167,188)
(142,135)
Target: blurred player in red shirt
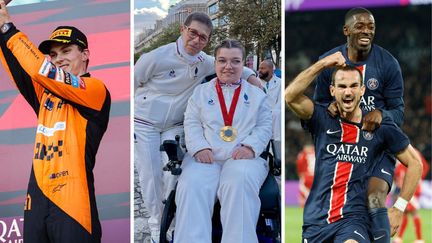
(413,204)
(305,171)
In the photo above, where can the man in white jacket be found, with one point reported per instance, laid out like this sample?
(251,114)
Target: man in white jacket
(164,81)
(227,127)
(272,86)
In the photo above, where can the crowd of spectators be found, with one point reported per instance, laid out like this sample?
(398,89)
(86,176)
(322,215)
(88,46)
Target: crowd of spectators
(404,31)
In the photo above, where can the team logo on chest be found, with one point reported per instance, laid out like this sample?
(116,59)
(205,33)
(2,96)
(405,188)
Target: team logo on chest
(367,135)
(246,99)
(372,83)
(211,102)
(172,73)
(196,73)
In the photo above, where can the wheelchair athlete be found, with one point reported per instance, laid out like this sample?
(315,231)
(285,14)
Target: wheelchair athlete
(269,222)
(227,125)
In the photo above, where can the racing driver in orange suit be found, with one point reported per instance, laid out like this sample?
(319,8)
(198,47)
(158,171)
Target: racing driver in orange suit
(72,110)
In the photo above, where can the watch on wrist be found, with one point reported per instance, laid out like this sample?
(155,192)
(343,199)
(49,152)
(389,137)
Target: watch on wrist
(5,27)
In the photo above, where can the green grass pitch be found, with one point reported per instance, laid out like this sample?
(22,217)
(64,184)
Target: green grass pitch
(294,221)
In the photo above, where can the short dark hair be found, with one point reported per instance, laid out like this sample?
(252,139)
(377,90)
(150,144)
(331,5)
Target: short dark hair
(200,17)
(269,63)
(346,68)
(354,11)
(230,43)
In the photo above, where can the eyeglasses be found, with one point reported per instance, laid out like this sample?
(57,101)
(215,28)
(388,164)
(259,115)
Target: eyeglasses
(193,33)
(233,63)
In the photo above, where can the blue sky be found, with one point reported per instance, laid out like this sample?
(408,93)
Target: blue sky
(146,12)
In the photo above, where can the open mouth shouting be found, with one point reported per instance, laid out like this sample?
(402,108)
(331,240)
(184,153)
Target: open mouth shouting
(348,102)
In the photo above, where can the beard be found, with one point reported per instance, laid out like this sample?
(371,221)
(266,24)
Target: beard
(263,75)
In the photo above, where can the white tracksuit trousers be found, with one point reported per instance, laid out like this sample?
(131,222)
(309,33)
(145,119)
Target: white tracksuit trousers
(149,161)
(236,183)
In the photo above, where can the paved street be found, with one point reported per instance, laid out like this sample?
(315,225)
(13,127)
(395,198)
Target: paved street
(141,229)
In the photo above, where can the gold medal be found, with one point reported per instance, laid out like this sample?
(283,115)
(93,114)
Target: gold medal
(228,133)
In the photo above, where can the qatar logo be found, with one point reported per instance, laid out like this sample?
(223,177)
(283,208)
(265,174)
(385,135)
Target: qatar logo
(372,83)
(348,152)
(367,135)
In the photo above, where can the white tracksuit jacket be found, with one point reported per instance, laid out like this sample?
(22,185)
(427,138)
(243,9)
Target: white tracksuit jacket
(203,120)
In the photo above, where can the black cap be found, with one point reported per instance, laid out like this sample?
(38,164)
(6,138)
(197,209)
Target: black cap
(66,35)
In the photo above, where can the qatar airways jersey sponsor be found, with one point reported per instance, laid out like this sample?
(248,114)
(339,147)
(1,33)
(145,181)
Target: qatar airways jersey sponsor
(367,103)
(348,152)
(345,155)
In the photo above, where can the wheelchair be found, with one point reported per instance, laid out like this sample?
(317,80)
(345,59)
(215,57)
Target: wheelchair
(269,222)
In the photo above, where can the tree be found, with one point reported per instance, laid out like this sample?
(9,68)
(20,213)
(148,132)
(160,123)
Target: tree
(168,35)
(256,23)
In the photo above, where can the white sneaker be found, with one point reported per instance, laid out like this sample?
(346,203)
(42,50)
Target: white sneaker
(397,240)
(419,241)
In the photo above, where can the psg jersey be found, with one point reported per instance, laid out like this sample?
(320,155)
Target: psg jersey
(345,156)
(382,77)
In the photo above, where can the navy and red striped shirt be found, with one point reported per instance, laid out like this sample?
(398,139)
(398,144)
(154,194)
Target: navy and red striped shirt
(345,155)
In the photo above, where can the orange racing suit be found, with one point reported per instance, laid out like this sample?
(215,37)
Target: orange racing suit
(73,114)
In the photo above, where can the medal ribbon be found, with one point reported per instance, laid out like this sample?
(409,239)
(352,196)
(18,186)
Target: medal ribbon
(228,117)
